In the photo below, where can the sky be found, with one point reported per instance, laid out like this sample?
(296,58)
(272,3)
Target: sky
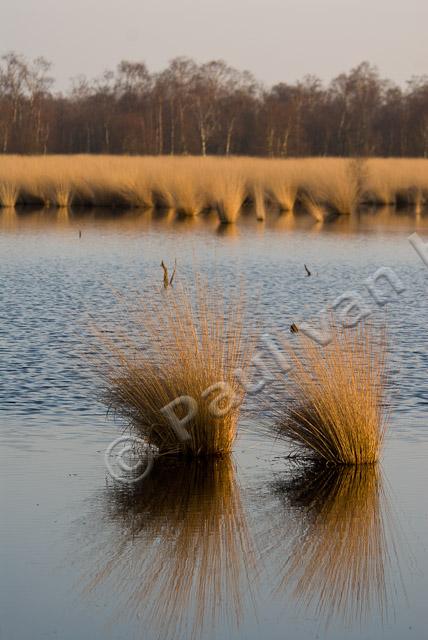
(277,40)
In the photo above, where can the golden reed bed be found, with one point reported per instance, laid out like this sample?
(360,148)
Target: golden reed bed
(191,185)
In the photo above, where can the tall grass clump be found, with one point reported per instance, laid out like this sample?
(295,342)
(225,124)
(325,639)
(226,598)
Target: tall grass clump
(189,195)
(9,193)
(228,194)
(386,178)
(341,188)
(186,344)
(62,194)
(137,192)
(282,186)
(335,408)
(313,207)
(259,198)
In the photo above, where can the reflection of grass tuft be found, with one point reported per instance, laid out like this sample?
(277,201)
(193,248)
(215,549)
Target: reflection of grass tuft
(180,556)
(337,555)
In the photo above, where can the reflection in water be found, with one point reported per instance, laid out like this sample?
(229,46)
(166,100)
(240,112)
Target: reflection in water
(285,221)
(227,230)
(8,219)
(367,219)
(336,559)
(63,216)
(179,556)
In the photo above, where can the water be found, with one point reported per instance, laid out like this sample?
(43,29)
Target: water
(240,550)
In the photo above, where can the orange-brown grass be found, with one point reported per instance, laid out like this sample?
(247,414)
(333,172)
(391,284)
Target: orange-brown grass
(228,192)
(178,553)
(8,194)
(192,184)
(336,409)
(282,186)
(400,180)
(59,193)
(336,556)
(259,198)
(137,191)
(181,345)
(337,184)
(314,208)
(189,195)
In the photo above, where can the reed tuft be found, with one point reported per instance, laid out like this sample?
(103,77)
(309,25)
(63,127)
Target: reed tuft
(228,194)
(189,345)
(335,407)
(9,193)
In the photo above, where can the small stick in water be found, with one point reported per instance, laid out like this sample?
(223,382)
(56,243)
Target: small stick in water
(173,273)
(307,271)
(167,282)
(165,275)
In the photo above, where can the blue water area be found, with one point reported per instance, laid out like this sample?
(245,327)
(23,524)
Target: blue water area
(255,546)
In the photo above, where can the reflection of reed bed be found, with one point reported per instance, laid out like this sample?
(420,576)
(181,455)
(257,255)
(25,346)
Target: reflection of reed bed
(183,344)
(337,554)
(180,556)
(331,404)
(193,184)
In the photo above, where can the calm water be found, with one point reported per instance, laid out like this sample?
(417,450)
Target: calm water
(250,548)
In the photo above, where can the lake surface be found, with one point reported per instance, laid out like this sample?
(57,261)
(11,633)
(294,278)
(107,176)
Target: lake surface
(254,547)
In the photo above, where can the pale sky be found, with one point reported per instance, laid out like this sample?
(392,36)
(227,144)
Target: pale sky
(278,40)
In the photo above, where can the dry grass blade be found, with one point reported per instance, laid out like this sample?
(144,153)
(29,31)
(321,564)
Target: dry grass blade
(184,344)
(335,407)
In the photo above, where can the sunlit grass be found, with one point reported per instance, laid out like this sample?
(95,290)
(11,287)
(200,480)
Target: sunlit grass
(192,185)
(8,193)
(332,407)
(184,344)
(228,192)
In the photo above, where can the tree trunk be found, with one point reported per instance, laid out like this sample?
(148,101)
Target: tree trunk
(229,136)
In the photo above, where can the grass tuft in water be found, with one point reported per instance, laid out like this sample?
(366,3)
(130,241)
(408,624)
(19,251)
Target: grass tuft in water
(335,408)
(186,345)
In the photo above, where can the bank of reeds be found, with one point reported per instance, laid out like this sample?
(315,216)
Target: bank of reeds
(331,406)
(186,345)
(193,184)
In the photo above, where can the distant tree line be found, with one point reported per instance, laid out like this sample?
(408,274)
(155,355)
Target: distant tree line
(210,108)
